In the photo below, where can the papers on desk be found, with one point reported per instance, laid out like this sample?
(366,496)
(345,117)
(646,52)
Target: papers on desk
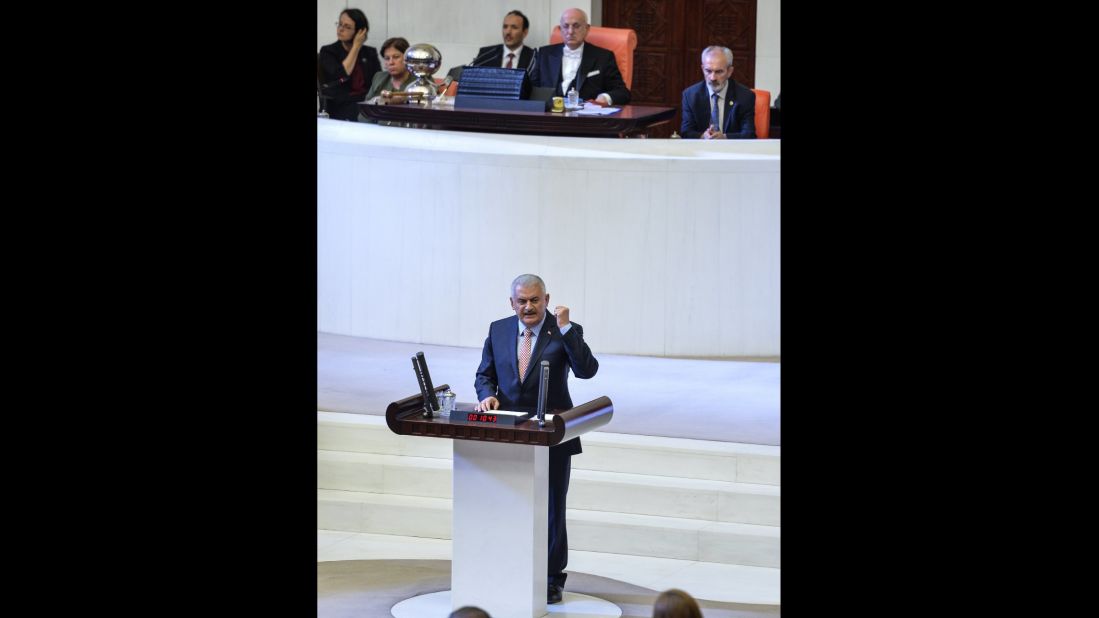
(591,109)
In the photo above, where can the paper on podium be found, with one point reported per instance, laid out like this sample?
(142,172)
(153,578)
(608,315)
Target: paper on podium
(592,109)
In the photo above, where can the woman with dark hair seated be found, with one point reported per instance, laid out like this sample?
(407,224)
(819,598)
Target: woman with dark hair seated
(395,76)
(347,66)
(675,603)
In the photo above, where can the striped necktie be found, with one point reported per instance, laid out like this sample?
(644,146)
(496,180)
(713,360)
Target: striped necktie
(524,354)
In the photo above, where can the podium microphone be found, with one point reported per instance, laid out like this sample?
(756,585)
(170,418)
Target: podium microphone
(423,387)
(543,392)
(427,390)
(431,400)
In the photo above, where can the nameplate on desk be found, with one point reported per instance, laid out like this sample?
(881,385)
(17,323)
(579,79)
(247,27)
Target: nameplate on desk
(496,88)
(497,417)
(494,82)
(465,101)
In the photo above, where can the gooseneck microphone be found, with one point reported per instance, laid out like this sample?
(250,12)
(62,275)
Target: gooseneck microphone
(335,82)
(486,55)
(533,59)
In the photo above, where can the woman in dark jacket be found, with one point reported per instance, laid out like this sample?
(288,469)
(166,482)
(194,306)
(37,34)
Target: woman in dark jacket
(347,66)
(396,75)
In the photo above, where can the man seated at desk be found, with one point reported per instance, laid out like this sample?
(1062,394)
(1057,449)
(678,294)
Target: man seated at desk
(717,107)
(512,54)
(592,70)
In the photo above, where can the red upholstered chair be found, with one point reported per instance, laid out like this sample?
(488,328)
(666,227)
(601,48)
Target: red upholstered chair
(763,113)
(621,41)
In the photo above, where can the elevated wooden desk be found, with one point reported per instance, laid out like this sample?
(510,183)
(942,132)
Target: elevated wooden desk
(630,121)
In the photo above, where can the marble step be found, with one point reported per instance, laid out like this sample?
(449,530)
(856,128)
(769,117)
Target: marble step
(673,537)
(719,501)
(607,452)
(617,533)
(357,511)
(426,477)
(588,489)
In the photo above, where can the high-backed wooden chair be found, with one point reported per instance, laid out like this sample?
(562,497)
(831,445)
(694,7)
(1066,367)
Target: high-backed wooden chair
(621,41)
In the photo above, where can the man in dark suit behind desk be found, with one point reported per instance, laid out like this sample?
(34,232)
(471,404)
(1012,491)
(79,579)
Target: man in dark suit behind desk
(591,69)
(508,379)
(512,54)
(732,114)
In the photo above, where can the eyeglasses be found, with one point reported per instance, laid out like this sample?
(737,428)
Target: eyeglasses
(340,26)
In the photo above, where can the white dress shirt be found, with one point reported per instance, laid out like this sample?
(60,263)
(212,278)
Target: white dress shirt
(570,62)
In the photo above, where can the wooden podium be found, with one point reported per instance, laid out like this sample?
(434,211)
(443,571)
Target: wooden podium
(500,509)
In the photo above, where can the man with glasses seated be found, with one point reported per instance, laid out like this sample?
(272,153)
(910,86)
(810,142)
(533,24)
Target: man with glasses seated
(347,66)
(592,70)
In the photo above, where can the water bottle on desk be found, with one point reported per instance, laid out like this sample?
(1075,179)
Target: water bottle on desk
(572,98)
(446,403)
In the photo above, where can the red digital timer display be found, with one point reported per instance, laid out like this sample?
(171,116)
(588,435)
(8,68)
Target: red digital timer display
(481,418)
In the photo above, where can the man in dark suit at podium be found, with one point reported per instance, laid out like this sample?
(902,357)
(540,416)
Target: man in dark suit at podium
(512,54)
(508,379)
(591,69)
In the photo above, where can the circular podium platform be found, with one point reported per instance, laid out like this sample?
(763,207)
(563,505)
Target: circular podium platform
(572,605)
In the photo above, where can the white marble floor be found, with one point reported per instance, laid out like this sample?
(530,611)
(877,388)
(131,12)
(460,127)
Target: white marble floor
(705,580)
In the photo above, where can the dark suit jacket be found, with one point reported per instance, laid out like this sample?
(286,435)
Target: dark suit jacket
(342,105)
(547,73)
(740,116)
(497,59)
(498,374)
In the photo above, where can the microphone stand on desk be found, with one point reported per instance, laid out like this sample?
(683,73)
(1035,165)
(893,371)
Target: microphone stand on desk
(543,392)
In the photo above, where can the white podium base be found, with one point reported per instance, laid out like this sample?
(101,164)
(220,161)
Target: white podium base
(572,605)
(499,528)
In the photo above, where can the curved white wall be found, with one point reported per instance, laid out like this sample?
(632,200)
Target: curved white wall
(659,247)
